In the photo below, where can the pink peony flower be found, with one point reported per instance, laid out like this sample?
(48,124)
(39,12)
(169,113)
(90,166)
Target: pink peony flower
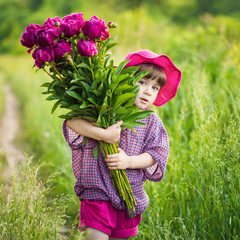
(52,22)
(71,24)
(95,28)
(46,36)
(87,48)
(43,55)
(61,48)
(74,17)
(28,38)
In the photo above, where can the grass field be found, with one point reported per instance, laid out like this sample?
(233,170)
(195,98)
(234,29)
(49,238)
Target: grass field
(199,195)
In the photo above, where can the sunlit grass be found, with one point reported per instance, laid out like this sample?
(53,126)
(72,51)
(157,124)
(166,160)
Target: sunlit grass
(28,213)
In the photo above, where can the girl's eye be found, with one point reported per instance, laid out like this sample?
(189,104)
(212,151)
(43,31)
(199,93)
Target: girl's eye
(155,88)
(141,82)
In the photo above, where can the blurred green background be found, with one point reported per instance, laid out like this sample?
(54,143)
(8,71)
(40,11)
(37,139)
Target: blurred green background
(199,195)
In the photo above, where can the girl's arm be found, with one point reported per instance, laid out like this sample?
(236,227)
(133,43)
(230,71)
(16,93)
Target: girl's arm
(87,129)
(122,161)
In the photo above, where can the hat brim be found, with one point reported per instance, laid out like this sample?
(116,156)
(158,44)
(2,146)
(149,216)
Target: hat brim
(173,74)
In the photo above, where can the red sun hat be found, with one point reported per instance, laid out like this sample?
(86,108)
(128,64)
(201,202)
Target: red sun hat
(173,74)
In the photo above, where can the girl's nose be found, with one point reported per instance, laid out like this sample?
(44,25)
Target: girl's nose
(147,91)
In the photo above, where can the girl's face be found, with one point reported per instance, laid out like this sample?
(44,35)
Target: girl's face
(147,94)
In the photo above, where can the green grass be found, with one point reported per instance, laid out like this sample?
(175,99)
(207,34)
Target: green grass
(27,213)
(199,195)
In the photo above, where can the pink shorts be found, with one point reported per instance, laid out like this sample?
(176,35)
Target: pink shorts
(102,216)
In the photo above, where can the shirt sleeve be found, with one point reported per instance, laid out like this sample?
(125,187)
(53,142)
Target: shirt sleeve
(73,139)
(157,145)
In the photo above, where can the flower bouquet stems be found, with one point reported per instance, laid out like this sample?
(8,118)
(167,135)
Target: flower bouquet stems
(119,178)
(85,81)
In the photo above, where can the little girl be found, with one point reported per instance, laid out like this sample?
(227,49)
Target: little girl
(103,214)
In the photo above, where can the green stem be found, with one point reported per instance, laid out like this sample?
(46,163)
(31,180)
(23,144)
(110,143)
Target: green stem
(119,178)
(56,71)
(90,64)
(76,70)
(74,67)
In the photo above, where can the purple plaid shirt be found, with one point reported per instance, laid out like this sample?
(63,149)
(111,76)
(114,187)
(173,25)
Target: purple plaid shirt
(93,177)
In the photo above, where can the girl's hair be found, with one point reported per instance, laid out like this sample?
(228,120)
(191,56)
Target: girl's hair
(156,72)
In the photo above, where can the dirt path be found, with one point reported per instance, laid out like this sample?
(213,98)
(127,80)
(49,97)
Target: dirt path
(9,126)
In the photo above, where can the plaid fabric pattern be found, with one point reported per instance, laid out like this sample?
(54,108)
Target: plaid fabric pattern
(93,176)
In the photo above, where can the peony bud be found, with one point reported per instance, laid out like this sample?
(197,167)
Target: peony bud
(57,24)
(112,25)
(87,48)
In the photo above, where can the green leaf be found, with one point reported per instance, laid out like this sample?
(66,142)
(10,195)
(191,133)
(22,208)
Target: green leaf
(122,99)
(84,141)
(74,107)
(117,79)
(139,76)
(139,115)
(46,92)
(128,125)
(56,104)
(106,42)
(92,100)
(121,110)
(104,122)
(75,95)
(123,116)
(95,92)
(107,57)
(121,66)
(86,86)
(78,79)
(130,70)
(135,89)
(90,119)
(130,103)
(95,152)
(84,105)
(52,97)
(65,116)
(103,109)
(123,87)
(74,87)
(94,85)
(84,65)
(110,45)
(60,91)
(45,84)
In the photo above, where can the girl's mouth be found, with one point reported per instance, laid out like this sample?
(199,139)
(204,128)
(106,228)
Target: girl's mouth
(144,100)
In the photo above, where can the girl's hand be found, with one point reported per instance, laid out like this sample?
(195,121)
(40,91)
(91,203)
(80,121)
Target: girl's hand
(118,161)
(112,133)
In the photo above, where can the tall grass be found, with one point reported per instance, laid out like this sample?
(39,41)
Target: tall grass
(199,196)
(41,133)
(27,213)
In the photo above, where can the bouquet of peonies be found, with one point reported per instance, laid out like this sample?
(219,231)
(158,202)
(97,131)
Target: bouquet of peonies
(74,53)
